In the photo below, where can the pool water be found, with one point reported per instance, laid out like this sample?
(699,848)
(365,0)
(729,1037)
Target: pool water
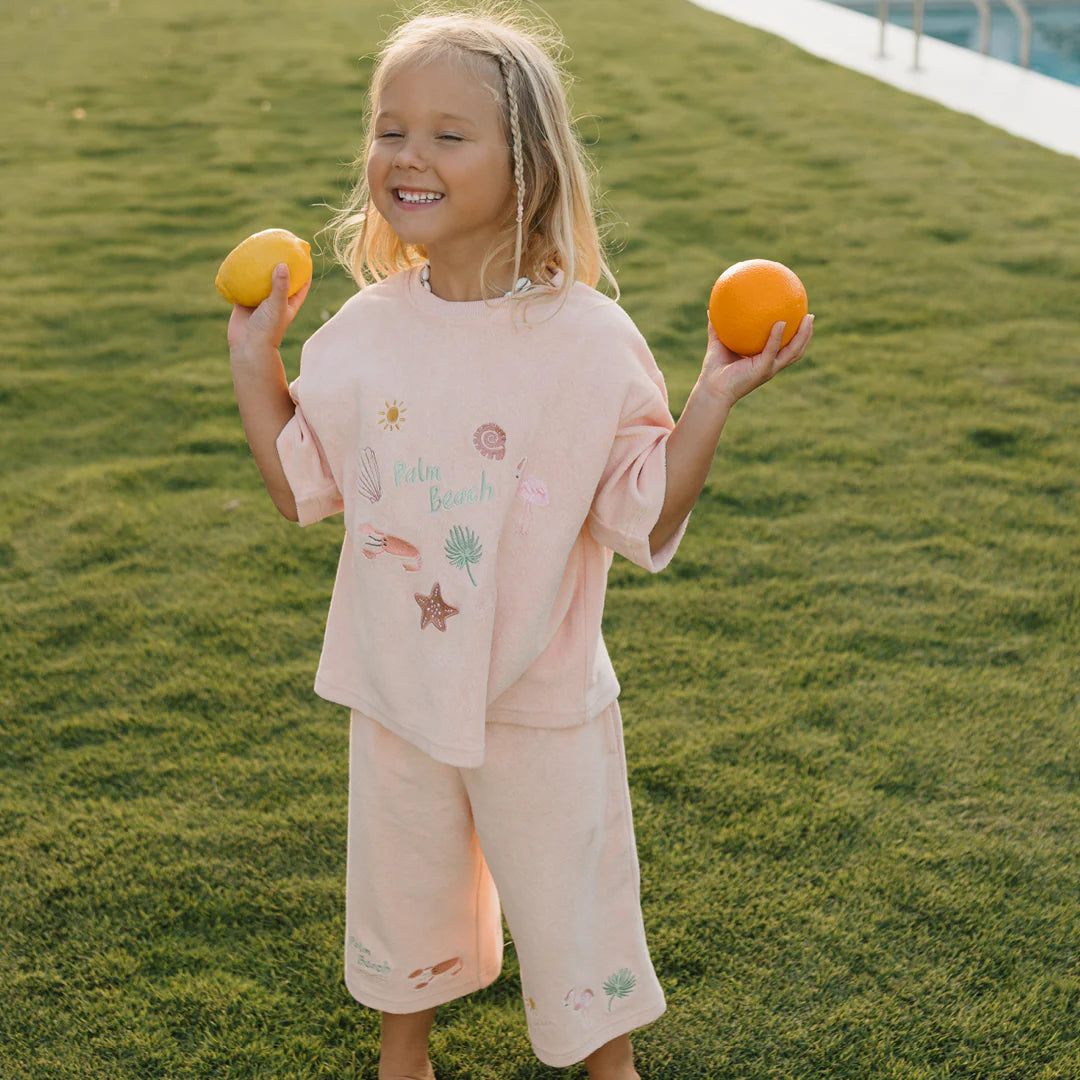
(1055,37)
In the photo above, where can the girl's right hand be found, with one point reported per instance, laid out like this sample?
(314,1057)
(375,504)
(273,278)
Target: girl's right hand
(264,326)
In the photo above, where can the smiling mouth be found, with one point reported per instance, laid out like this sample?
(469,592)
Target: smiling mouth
(417,198)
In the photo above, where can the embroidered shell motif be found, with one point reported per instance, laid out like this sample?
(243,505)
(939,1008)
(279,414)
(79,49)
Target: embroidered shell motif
(490,440)
(368,480)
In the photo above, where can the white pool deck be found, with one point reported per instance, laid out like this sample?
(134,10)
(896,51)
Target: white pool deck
(1025,103)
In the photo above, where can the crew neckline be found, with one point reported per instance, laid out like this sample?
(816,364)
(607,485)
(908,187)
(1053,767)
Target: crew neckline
(464,311)
(522,286)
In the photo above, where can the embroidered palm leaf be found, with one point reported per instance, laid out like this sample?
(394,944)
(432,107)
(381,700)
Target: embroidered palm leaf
(463,549)
(619,985)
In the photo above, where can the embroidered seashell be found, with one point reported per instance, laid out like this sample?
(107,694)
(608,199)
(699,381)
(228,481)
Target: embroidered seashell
(490,440)
(368,480)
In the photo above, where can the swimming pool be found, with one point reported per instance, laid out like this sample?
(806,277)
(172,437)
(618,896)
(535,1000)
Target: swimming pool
(1055,38)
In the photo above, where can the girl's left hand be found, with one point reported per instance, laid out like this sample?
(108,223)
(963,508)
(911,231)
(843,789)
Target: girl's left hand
(729,376)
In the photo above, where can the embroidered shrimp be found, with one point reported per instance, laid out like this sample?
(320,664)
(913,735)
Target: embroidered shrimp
(444,967)
(532,492)
(378,543)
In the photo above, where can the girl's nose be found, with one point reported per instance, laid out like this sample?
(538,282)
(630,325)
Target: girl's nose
(408,155)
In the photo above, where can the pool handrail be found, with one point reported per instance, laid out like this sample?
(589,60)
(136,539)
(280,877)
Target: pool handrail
(1017,7)
(984,25)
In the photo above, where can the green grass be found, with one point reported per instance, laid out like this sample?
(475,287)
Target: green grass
(852,702)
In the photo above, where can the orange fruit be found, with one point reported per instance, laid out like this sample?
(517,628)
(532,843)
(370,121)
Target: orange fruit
(749,298)
(244,276)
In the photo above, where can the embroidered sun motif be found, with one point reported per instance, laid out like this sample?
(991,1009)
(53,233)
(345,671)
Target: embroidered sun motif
(393,416)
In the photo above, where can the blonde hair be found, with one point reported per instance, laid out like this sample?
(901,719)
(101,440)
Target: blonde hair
(554,227)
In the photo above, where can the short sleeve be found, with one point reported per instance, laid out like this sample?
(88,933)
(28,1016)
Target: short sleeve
(630,495)
(307,470)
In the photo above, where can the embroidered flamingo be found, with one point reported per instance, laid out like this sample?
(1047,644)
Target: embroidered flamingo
(579,1002)
(532,492)
(379,542)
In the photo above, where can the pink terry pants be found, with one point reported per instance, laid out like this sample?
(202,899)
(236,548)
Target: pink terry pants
(544,826)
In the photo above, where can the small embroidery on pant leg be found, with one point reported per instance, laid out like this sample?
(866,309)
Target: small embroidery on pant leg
(619,985)
(429,974)
(362,959)
(536,1017)
(577,1001)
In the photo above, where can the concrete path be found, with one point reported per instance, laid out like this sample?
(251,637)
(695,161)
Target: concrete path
(1033,106)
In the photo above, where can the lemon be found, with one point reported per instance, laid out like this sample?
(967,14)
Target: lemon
(244,276)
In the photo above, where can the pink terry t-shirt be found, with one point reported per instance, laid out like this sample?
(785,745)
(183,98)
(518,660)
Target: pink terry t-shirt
(486,468)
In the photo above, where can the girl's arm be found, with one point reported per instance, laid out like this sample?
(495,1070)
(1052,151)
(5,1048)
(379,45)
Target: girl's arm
(262,391)
(725,377)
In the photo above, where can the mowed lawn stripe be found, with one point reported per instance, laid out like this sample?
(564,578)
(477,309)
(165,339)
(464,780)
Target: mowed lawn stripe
(851,701)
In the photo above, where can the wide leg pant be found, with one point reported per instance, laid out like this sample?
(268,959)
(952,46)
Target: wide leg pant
(543,826)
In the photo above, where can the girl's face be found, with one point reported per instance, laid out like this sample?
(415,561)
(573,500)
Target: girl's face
(439,167)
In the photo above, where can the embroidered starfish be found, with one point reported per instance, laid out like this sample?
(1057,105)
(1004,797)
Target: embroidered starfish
(434,609)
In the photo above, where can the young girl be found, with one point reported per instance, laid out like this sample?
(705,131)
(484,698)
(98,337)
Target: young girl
(492,428)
